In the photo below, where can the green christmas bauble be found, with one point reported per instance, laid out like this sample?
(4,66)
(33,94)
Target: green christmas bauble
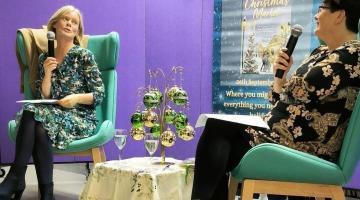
(137,133)
(137,120)
(169,115)
(170,93)
(158,94)
(180,121)
(155,130)
(186,133)
(180,97)
(151,100)
(168,138)
(149,118)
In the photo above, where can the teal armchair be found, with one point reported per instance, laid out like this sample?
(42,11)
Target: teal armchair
(295,173)
(106,51)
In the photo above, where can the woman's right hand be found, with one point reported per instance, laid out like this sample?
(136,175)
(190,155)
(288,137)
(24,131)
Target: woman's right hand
(283,61)
(50,65)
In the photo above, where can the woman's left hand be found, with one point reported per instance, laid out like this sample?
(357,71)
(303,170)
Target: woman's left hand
(69,101)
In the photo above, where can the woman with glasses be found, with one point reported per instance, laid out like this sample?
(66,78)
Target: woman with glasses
(311,108)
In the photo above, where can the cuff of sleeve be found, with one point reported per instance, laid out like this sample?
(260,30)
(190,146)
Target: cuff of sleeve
(273,97)
(97,99)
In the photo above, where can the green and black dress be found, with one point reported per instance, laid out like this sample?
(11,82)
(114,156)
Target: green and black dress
(78,73)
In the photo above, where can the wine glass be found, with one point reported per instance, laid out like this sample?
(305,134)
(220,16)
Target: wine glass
(120,139)
(151,144)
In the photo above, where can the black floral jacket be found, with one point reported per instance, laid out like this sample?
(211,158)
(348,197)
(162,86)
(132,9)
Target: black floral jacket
(313,110)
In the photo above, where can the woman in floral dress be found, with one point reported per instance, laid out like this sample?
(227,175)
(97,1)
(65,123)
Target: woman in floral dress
(311,109)
(72,76)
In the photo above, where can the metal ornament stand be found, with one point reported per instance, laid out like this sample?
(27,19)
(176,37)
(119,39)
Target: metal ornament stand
(158,102)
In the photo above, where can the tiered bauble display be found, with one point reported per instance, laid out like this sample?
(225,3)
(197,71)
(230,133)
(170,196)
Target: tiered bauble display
(163,113)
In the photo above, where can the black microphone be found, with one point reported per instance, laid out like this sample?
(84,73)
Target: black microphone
(296,31)
(51,37)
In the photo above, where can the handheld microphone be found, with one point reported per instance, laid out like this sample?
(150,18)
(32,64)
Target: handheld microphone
(296,31)
(51,37)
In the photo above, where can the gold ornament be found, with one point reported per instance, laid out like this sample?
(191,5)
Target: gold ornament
(149,118)
(137,133)
(186,133)
(168,138)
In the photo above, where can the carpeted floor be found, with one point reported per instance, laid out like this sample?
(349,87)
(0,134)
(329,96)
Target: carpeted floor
(69,180)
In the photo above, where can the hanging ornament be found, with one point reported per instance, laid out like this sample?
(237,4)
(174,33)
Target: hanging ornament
(180,121)
(149,118)
(136,119)
(158,95)
(155,130)
(168,138)
(137,133)
(151,100)
(170,93)
(186,133)
(169,115)
(180,97)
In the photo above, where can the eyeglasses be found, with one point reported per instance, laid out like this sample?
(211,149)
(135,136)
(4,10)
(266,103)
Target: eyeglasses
(323,7)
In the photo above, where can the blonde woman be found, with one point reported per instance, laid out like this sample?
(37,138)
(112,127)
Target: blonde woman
(72,76)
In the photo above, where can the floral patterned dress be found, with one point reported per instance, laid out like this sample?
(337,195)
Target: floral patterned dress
(313,110)
(78,73)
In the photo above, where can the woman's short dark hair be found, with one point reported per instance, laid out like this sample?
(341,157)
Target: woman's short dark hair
(352,11)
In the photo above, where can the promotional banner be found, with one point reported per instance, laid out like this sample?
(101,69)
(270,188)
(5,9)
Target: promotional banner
(247,37)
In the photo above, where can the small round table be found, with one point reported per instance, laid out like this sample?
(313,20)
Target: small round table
(139,179)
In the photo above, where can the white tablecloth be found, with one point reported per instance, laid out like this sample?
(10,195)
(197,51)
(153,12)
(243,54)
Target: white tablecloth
(138,179)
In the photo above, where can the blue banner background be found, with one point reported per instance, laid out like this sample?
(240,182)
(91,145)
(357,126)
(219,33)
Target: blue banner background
(239,92)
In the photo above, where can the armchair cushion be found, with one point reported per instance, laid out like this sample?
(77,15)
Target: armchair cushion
(276,162)
(105,49)
(103,135)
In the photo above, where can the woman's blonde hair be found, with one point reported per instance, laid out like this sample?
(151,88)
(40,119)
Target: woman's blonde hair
(59,14)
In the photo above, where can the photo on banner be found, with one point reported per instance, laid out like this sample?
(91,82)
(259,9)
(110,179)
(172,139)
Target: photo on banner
(247,37)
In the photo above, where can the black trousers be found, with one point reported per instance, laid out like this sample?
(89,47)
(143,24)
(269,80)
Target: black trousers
(33,140)
(220,149)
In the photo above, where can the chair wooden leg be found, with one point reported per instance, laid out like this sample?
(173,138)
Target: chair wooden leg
(96,155)
(103,155)
(247,192)
(233,185)
(337,193)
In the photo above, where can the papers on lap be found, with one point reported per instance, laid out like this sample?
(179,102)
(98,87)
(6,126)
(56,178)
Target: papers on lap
(43,101)
(240,119)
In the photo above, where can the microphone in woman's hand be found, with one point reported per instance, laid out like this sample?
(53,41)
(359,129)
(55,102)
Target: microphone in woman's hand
(296,31)
(51,37)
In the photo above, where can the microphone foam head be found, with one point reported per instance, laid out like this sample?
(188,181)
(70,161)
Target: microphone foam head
(50,35)
(296,30)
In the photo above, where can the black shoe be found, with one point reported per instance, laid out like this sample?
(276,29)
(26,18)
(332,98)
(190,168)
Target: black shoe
(47,191)
(12,187)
